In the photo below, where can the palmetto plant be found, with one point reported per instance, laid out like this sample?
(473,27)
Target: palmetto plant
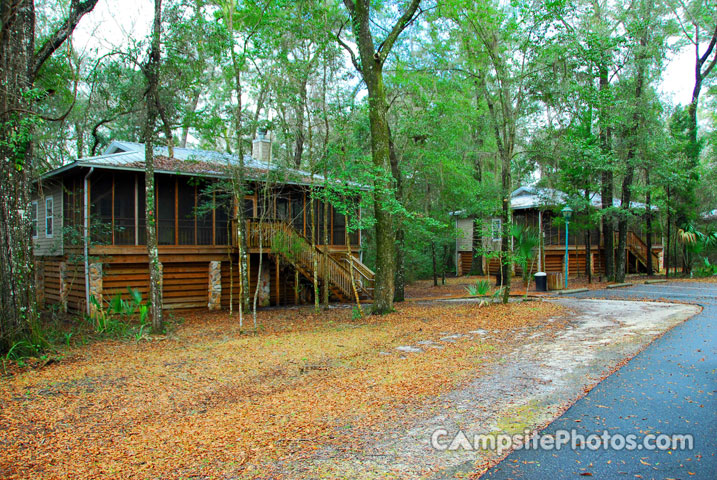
(526,239)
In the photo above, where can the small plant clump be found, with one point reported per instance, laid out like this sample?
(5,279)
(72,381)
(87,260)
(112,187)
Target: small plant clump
(114,319)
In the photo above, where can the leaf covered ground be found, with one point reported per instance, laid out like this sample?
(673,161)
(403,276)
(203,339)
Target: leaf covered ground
(208,401)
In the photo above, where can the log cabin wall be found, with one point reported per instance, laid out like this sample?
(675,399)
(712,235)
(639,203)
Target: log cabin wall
(194,229)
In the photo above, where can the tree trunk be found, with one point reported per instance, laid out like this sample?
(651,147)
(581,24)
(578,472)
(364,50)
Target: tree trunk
(435,268)
(351,268)
(622,225)
(19,66)
(314,256)
(505,246)
(477,240)
(299,142)
(17,299)
(371,69)
(588,242)
(635,130)
(151,72)
(648,222)
(669,236)
(193,108)
(239,183)
(477,245)
(606,183)
(325,284)
(399,294)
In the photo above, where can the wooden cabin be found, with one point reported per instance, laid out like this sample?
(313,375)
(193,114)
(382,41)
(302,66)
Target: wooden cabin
(90,238)
(539,208)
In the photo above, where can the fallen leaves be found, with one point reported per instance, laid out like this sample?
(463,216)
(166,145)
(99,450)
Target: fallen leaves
(211,401)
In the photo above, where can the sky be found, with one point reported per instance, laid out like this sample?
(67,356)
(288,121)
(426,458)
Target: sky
(108,27)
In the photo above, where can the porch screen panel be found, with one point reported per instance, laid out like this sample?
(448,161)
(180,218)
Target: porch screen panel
(297,212)
(165,210)
(319,220)
(73,207)
(124,208)
(141,210)
(205,208)
(248,207)
(283,209)
(339,228)
(185,212)
(101,208)
(222,222)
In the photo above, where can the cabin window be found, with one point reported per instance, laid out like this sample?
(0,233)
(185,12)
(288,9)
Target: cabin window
(33,218)
(49,216)
(496,229)
(165,210)
(124,200)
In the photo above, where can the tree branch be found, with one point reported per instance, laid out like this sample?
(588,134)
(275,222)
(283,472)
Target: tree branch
(347,48)
(406,19)
(709,49)
(77,11)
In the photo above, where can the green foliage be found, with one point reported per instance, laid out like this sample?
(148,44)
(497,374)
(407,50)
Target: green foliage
(287,245)
(480,289)
(706,269)
(114,319)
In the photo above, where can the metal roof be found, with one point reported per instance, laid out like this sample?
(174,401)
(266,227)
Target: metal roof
(531,196)
(121,155)
(535,197)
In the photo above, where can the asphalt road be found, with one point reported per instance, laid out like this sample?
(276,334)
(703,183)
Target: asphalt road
(669,388)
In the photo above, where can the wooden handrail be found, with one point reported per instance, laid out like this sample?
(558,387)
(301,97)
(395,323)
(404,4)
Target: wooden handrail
(301,255)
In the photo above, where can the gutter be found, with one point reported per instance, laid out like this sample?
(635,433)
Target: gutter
(87,240)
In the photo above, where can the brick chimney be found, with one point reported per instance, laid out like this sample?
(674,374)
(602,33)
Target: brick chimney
(261,146)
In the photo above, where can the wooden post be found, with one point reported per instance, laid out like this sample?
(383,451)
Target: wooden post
(304,212)
(296,286)
(176,210)
(196,204)
(278,291)
(136,210)
(113,209)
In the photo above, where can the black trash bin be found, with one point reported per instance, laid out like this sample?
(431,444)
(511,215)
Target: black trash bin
(498,279)
(541,282)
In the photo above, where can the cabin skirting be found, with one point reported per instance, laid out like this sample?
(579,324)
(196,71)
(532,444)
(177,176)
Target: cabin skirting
(186,284)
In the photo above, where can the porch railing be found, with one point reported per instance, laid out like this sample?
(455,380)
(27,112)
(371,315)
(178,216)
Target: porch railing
(283,239)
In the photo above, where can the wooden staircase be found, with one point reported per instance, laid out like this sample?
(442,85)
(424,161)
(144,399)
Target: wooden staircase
(282,239)
(638,248)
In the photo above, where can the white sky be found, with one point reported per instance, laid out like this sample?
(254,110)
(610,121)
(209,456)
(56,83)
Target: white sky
(113,22)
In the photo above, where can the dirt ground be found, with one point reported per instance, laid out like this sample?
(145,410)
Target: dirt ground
(313,395)
(208,401)
(539,373)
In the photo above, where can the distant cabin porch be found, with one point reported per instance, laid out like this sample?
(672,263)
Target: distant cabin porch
(552,233)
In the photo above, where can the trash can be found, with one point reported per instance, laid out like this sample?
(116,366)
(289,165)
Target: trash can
(541,282)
